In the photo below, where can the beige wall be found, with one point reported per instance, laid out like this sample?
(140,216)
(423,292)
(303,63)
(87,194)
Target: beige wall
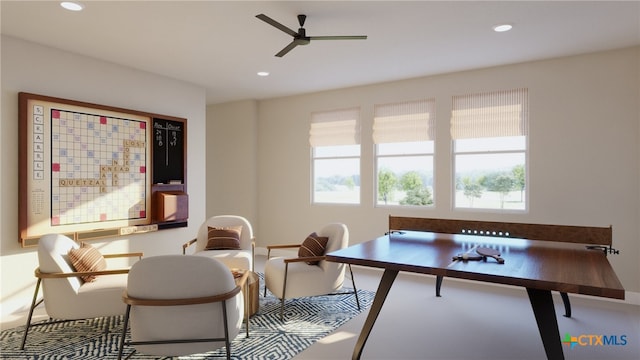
(584,156)
(32,68)
(232,180)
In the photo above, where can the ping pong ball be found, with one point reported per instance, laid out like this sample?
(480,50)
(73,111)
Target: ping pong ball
(465,256)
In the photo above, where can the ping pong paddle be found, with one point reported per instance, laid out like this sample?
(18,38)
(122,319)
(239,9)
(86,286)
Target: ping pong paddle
(488,252)
(468,256)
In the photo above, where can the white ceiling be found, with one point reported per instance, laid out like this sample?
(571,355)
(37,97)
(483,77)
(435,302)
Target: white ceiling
(220,45)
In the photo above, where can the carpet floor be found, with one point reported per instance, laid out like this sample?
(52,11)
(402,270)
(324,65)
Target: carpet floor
(306,321)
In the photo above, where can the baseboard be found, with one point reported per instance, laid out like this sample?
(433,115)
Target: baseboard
(630,297)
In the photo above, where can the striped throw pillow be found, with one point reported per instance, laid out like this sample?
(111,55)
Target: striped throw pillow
(87,258)
(313,245)
(227,238)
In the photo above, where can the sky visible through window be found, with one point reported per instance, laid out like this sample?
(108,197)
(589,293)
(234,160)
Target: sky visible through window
(475,160)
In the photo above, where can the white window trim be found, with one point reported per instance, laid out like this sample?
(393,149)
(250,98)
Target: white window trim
(407,121)
(506,126)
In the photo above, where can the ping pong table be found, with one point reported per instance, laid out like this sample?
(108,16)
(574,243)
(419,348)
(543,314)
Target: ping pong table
(538,266)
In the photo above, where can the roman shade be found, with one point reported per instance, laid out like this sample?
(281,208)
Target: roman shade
(404,121)
(334,128)
(491,114)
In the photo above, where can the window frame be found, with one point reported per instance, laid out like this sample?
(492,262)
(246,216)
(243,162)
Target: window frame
(506,131)
(346,136)
(406,122)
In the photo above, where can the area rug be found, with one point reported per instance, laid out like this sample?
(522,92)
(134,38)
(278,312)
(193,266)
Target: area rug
(306,321)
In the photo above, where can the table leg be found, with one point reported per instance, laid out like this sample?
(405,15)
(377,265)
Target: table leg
(381,294)
(567,304)
(247,303)
(542,304)
(438,284)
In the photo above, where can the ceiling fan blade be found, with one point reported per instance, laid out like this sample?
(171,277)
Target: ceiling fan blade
(353,37)
(300,37)
(276,24)
(287,48)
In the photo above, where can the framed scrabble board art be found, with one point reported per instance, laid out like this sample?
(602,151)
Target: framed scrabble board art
(86,170)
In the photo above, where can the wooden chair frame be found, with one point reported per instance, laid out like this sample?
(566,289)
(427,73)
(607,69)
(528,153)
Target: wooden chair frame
(42,275)
(287,261)
(222,299)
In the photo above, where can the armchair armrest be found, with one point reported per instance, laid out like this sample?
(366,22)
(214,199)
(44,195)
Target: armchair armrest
(58,275)
(61,275)
(286,246)
(305,258)
(134,254)
(187,244)
(283,246)
(177,302)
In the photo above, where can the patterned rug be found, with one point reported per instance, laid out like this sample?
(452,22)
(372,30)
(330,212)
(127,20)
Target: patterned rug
(306,321)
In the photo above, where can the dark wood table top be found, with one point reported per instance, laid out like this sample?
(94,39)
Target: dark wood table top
(564,267)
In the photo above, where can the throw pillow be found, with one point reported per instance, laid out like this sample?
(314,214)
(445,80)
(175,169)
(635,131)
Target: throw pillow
(87,258)
(227,238)
(313,245)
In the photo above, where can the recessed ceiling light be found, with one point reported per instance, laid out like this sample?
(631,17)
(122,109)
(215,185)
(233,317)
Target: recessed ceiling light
(502,27)
(263,73)
(73,6)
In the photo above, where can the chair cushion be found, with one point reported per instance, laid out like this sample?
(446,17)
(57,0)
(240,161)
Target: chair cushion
(234,259)
(302,279)
(313,245)
(87,258)
(226,238)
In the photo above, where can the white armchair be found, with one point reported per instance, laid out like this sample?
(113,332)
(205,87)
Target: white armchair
(66,295)
(180,305)
(240,258)
(294,277)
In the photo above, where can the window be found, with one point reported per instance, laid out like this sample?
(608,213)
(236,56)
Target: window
(335,150)
(489,133)
(403,134)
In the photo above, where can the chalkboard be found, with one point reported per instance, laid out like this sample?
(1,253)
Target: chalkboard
(168,151)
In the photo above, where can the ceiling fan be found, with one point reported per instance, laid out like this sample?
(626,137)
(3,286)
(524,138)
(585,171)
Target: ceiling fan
(300,37)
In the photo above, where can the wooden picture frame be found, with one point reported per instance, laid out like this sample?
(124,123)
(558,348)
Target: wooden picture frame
(85,170)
